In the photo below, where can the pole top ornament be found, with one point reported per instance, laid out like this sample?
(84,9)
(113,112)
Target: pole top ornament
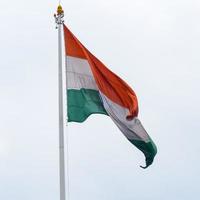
(59,16)
(60,10)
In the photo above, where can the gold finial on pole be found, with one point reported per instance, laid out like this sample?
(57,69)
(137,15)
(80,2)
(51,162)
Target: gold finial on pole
(60,10)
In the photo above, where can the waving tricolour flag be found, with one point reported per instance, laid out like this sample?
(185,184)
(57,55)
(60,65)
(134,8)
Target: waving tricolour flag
(93,88)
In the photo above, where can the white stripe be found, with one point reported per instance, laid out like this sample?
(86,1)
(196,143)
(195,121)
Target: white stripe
(78,65)
(133,129)
(79,74)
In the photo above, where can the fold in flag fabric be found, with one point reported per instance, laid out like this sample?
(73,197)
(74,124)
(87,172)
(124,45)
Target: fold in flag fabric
(93,88)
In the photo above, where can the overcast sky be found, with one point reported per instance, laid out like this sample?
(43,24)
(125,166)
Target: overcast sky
(154,46)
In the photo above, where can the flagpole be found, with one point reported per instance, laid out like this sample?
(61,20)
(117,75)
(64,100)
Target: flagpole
(59,22)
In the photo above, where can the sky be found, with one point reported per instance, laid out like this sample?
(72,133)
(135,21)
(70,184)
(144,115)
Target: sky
(154,46)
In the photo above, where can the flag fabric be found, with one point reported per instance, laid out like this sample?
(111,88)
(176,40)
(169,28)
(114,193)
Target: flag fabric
(93,88)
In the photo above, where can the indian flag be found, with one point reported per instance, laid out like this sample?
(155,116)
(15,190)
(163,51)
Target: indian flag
(93,88)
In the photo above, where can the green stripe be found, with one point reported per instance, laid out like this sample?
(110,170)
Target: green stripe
(149,149)
(82,103)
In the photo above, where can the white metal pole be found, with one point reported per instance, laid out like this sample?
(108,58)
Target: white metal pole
(61,121)
(59,21)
